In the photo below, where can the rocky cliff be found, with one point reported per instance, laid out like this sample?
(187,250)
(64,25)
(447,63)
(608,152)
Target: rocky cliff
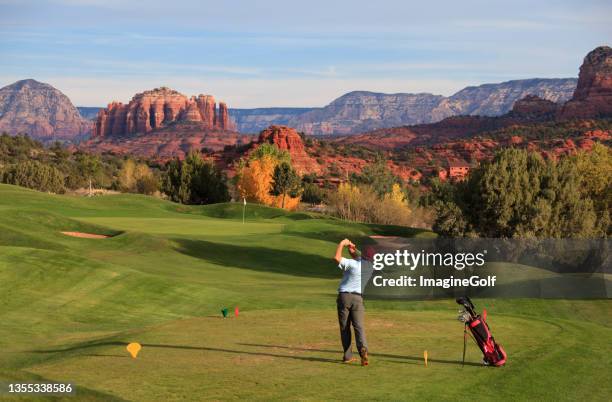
(288,139)
(168,142)
(158,108)
(41,111)
(362,111)
(498,99)
(530,109)
(593,95)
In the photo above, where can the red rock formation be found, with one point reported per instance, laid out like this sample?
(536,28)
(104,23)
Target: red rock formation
(534,107)
(516,140)
(586,144)
(155,109)
(593,94)
(285,138)
(223,121)
(206,105)
(192,113)
(288,139)
(166,143)
(602,135)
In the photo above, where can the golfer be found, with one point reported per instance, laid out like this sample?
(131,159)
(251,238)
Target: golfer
(350,303)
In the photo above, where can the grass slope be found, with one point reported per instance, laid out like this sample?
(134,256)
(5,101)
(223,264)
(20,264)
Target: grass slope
(68,306)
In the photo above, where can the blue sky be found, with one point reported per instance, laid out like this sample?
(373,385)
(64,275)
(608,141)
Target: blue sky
(291,53)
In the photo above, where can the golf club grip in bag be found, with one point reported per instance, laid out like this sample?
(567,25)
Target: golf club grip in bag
(493,352)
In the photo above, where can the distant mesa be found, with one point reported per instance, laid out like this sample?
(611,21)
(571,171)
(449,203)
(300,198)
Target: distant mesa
(255,120)
(591,99)
(362,111)
(89,112)
(41,111)
(160,108)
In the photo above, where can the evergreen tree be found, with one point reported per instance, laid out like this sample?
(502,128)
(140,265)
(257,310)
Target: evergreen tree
(285,181)
(194,181)
(89,165)
(518,194)
(378,176)
(35,175)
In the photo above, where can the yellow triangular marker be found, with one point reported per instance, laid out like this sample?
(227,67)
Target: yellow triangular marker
(134,348)
(425,357)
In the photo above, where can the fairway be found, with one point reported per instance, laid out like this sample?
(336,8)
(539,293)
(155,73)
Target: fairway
(69,306)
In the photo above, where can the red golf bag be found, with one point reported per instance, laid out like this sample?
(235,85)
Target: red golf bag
(493,352)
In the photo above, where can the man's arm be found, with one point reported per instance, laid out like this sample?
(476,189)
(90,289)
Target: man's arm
(341,245)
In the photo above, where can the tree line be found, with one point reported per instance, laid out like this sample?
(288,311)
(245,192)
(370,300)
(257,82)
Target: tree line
(516,194)
(56,169)
(520,194)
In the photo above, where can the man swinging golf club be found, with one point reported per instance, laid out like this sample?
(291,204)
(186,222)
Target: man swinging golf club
(350,302)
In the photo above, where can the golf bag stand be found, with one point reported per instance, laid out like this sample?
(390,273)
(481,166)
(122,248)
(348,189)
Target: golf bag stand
(494,354)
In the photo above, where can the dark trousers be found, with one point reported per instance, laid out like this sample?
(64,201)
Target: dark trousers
(351,312)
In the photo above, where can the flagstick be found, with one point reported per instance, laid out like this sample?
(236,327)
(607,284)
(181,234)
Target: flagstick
(243,210)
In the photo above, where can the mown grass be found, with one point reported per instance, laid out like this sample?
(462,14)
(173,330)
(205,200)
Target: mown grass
(68,306)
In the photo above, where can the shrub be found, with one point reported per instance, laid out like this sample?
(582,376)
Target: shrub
(312,193)
(362,204)
(35,175)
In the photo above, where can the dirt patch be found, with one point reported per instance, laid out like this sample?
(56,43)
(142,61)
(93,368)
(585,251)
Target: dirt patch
(86,235)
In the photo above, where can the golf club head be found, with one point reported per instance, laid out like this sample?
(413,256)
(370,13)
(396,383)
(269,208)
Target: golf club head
(465,301)
(464,316)
(467,304)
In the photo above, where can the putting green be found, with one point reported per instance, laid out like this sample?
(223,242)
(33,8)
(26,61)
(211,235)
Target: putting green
(69,306)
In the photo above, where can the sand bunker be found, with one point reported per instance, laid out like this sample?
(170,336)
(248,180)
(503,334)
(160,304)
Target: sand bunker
(86,235)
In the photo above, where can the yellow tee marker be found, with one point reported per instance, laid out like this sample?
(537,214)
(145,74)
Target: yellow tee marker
(425,357)
(134,348)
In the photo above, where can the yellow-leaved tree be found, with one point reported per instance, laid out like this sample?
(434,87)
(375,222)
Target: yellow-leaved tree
(136,177)
(361,203)
(397,196)
(254,177)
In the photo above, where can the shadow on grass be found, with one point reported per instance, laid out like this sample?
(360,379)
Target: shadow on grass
(259,258)
(402,231)
(336,230)
(106,355)
(399,357)
(244,352)
(184,347)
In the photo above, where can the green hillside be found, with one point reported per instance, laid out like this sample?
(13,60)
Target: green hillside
(68,307)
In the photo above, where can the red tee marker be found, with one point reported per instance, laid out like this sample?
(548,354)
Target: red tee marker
(236,311)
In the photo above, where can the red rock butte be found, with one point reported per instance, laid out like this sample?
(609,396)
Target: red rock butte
(158,108)
(288,139)
(593,95)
